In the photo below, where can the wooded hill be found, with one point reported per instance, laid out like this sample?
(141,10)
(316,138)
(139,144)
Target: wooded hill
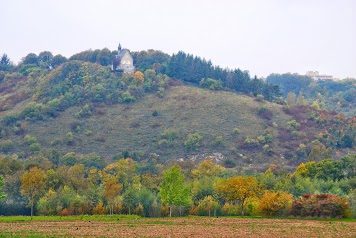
(173,107)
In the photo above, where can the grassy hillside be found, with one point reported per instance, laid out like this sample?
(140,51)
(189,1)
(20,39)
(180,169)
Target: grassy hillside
(136,127)
(84,108)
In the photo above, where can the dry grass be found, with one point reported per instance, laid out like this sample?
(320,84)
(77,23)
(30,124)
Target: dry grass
(185,109)
(180,227)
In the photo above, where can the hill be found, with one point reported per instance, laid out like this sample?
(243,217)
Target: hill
(83,109)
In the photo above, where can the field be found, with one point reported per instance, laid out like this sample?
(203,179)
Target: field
(116,226)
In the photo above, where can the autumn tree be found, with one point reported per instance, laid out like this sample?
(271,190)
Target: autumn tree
(123,169)
(275,203)
(33,183)
(208,204)
(112,190)
(173,190)
(207,168)
(238,189)
(138,75)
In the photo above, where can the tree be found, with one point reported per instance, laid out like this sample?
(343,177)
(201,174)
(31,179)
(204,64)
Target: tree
(275,203)
(58,60)
(208,204)
(112,190)
(238,189)
(31,58)
(300,98)
(33,183)
(207,168)
(173,191)
(45,59)
(130,198)
(2,194)
(5,63)
(291,99)
(138,75)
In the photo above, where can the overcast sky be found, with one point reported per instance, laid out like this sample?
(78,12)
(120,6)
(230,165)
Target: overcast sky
(262,36)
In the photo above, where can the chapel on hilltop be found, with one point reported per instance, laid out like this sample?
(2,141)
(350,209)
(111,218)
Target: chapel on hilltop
(123,61)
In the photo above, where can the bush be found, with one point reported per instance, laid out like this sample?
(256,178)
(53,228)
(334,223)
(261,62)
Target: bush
(321,205)
(293,125)
(236,131)
(6,146)
(86,111)
(169,135)
(265,113)
(211,84)
(193,141)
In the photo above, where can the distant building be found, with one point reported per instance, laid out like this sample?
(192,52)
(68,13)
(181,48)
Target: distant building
(123,61)
(316,76)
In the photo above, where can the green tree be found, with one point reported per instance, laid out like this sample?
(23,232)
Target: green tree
(173,190)
(33,183)
(31,58)
(2,194)
(45,59)
(5,63)
(58,60)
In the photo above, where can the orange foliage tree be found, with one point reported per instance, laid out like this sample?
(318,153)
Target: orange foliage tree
(139,76)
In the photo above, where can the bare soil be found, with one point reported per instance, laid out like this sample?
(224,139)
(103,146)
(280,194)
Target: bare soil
(180,227)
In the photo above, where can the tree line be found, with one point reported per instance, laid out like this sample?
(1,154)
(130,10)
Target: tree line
(38,187)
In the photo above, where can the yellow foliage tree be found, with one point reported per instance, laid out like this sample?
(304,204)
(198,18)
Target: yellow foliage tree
(33,183)
(207,168)
(238,189)
(112,190)
(275,203)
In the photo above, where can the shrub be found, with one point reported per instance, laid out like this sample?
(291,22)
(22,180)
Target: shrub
(30,139)
(127,97)
(321,205)
(193,141)
(229,163)
(260,97)
(265,113)
(219,141)
(86,111)
(163,143)
(169,135)
(34,111)
(236,131)
(211,84)
(6,146)
(154,113)
(35,147)
(293,125)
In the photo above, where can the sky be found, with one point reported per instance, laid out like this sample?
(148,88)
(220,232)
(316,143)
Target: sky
(261,36)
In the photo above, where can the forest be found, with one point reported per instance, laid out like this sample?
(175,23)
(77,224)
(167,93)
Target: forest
(287,141)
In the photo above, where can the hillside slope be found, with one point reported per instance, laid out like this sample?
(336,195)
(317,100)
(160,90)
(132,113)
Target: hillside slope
(84,108)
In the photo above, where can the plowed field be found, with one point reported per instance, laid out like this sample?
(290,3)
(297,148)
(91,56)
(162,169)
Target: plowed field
(180,227)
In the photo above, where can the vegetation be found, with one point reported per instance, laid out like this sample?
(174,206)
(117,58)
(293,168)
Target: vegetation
(77,138)
(332,95)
